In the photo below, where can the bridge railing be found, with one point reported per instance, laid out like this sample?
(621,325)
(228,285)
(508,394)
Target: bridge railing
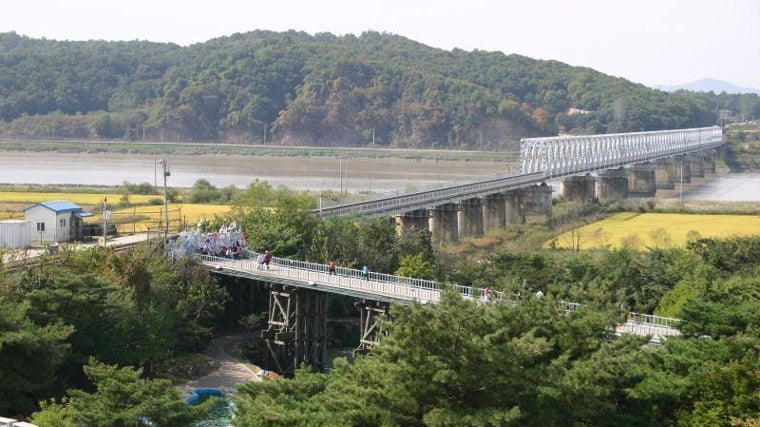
(422,199)
(364,198)
(250,263)
(650,319)
(408,288)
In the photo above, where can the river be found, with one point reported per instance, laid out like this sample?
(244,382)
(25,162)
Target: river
(299,173)
(376,175)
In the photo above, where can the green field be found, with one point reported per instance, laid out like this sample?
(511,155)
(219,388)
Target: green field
(655,230)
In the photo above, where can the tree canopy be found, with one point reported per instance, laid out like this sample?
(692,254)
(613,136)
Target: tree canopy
(294,88)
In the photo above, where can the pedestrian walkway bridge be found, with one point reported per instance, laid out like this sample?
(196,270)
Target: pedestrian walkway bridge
(390,288)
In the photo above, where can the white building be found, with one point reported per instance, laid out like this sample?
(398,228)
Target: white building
(59,221)
(14,234)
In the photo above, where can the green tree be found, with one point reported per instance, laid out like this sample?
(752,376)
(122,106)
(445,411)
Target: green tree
(31,355)
(415,266)
(121,399)
(204,192)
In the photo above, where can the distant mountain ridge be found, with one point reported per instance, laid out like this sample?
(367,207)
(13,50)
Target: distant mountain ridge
(709,85)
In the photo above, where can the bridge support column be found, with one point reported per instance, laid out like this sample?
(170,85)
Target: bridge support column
(537,200)
(683,169)
(515,207)
(578,188)
(370,315)
(443,223)
(697,167)
(612,184)
(664,174)
(297,329)
(709,160)
(494,212)
(417,219)
(470,218)
(642,181)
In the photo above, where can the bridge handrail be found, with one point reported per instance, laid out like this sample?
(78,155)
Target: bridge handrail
(432,195)
(331,203)
(651,319)
(469,292)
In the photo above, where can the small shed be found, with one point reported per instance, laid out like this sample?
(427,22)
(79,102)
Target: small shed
(15,233)
(59,221)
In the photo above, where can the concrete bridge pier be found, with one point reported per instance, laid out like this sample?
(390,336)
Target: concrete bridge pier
(578,188)
(297,329)
(494,212)
(515,207)
(417,219)
(642,181)
(538,200)
(708,157)
(443,223)
(697,166)
(470,218)
(612,184)
(665,174)
(682,169)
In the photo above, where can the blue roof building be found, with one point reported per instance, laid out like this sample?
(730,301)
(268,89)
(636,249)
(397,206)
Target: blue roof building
(58,221)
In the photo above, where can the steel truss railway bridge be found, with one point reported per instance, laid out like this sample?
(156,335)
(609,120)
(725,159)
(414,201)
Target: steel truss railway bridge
(595,167)
(296,331)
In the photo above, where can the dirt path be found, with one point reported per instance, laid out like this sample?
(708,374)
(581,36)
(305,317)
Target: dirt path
(230,371)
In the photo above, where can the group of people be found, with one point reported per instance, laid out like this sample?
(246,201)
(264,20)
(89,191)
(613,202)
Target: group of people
(263,260)
(235,251)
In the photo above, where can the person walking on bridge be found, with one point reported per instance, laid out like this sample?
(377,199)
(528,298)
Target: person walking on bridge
(365,273)
(260,262)
(331,267)
(267,258)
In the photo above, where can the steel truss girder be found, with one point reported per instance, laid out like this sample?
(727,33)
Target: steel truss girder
(296,329)
(371,315)
(568,155)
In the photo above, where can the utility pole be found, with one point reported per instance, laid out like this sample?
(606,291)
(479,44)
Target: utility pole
(682,156)
(105,220)
(166,200)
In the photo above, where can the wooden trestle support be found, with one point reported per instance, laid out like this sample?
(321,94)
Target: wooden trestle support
(371,313)
(297,329)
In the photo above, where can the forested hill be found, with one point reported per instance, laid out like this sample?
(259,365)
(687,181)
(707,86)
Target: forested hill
(294,88)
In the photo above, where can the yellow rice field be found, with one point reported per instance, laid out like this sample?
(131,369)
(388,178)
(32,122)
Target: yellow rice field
(655,230)
(142,217)
(81,199)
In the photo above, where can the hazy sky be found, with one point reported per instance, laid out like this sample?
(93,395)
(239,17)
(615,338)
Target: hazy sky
(646,41)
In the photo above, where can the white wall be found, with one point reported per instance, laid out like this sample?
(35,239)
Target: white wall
(15,234)
(41,214)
